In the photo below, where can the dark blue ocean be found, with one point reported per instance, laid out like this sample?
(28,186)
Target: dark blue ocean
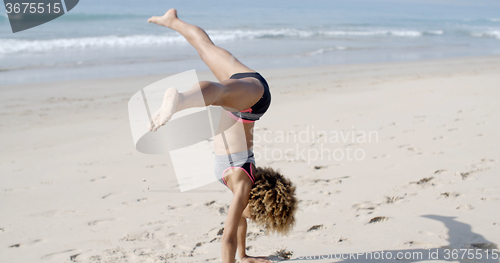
(111,38)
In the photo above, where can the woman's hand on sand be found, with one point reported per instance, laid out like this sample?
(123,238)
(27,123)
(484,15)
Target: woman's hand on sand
(250,259)
(168,108)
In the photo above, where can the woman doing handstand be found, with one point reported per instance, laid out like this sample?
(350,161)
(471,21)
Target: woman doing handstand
(260,194)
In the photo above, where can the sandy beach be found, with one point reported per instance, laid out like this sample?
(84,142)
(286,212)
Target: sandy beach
(417,179)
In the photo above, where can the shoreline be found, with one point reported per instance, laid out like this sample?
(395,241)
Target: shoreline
(270,70)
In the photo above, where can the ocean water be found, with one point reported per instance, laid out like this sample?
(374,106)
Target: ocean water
(112,38)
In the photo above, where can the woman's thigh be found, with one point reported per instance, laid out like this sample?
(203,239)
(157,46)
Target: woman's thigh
(222,63)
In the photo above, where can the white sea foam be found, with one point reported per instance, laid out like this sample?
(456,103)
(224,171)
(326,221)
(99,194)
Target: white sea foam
(487,34)
(11,46)
(406,33)
(435,32)
(325,50)
(262,33)
(400,33)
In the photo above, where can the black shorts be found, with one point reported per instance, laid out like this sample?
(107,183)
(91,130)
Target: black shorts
(258,109)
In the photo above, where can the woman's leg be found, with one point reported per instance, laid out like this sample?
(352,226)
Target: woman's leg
(219,60)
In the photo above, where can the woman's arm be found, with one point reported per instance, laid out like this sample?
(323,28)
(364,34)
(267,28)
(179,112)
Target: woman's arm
(241,193)
(241,237)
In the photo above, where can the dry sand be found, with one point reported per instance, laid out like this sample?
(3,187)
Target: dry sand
(73,188)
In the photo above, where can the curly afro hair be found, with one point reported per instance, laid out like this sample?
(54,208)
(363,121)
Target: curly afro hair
(272,201)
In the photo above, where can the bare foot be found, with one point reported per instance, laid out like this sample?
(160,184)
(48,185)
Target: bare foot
(168,108)
(166,20)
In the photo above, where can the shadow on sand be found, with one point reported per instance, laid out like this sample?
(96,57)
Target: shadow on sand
(464,246)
